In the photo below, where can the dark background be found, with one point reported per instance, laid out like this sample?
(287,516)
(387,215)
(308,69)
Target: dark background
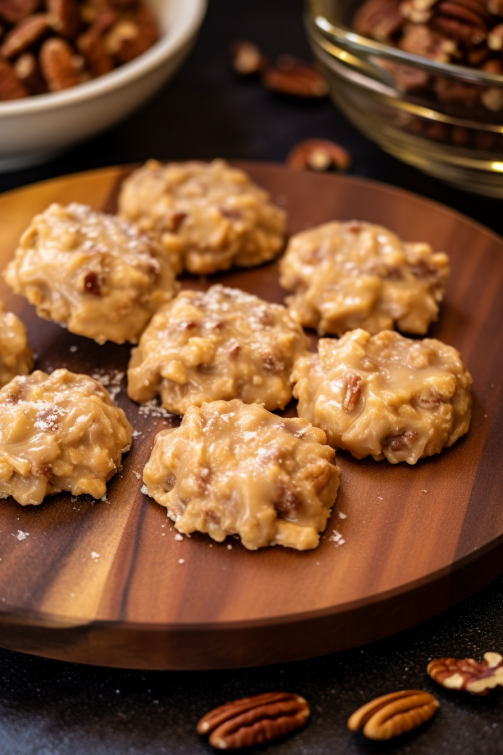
(52,708)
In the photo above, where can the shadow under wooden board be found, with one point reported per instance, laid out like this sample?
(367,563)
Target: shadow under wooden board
(102,582)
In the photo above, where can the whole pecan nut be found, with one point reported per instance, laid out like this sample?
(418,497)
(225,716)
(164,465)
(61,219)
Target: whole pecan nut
(25,34)
(254,720)
(394,714)
(468,674)
(319,155)
(295,77)
(60,66)
(352,393)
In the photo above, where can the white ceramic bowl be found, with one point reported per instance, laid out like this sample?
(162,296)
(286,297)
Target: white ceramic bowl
(32,130)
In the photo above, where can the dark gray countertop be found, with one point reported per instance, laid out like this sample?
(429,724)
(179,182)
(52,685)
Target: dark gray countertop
(51,708)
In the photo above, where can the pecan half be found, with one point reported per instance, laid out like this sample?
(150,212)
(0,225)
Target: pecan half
(92,283)
(378,19)
(400,442)
(14,11)
(458,21)
(10,86)
(131,37)
(468,674)
(91,44)
(391,715)
(286,498)
(407,78)
(61,68)
(419,39)
(252,721)
(246,58)
(28,71)
(319,155)
(177,219)
(64,17)
(295,77)
(352,393)
(456,92)
(23,35)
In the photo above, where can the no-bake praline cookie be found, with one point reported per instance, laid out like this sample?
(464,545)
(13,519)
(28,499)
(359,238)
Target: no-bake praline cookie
(359,275)
(58,432)
(236,469)
(100,276)
(15,354)
(209,216)
(218,345)
(385,395)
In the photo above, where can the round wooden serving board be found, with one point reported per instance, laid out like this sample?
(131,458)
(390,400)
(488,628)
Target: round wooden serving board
(403,543)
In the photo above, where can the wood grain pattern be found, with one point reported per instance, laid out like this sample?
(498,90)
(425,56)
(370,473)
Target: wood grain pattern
(407,553)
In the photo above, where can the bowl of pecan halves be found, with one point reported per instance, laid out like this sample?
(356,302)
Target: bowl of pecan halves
(71,68)
(422,78)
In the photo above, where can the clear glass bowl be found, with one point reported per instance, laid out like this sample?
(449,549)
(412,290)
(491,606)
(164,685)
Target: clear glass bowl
(459,140)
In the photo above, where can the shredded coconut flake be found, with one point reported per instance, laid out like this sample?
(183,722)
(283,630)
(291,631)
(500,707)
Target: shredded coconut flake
(152,408)
(144,490)
(95,556)
(21,535)
(342,516)
(179,537)
(337,538)
(137,474)
(181,560)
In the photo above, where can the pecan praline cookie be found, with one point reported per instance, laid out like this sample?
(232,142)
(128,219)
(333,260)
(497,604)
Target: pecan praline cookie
(209,216)
(385,395)
(16,357)
(218,345)
(97,275)
(58,432)
(236,469)
(359,275)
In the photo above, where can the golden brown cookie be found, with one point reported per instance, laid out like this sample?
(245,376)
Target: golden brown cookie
(58,432)
(236,469)
(222,344)
(359,275)
(385,395)
(209,216)
(97,275)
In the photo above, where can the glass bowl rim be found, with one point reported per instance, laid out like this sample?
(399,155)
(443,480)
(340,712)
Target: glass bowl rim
(318,24)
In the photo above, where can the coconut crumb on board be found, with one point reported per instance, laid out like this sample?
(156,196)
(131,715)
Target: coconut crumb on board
(153,408)
(336,538)
(21,535)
